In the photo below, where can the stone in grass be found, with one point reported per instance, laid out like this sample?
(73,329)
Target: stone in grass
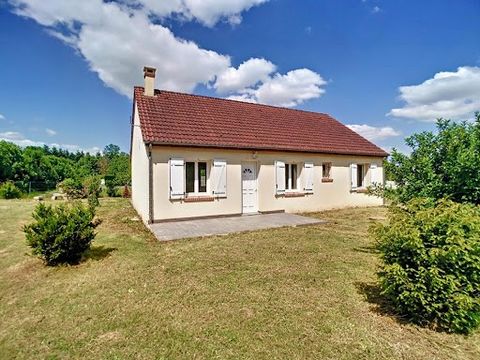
(38,198)
(57,196)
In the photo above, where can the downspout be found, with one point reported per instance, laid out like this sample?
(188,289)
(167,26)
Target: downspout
(150,184)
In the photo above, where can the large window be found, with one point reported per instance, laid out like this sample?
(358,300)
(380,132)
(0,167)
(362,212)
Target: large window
(291,176)
(195,177)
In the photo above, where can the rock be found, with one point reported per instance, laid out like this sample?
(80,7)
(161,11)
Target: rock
(377,218)
(57,196)
(38,198)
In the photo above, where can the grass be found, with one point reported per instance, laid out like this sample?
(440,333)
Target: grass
(293,293)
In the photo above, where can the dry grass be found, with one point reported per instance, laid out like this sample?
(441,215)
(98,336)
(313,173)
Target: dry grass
(293,293)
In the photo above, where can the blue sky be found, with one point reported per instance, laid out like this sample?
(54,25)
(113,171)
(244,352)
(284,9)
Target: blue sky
(387,68)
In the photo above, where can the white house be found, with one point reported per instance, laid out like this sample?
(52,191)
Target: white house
(197,156)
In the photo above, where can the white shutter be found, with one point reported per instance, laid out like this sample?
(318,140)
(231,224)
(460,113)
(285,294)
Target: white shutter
(177,178)
(354,177)
(218,178)
(375,177)
(279,177)
(308,170)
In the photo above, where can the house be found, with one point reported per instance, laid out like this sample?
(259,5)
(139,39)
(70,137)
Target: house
(197,156)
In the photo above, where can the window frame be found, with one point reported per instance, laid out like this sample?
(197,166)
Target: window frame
(288,177)
(196,178)
(329,175)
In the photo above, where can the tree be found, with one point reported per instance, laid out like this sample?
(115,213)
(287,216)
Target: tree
(10,161)
(441,165)
(111,150)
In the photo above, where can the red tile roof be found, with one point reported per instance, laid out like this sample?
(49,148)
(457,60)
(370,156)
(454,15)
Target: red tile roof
(171,118)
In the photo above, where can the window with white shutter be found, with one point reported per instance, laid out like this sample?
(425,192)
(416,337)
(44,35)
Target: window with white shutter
(279,177)
(354,176)
(218,178)
(177,185)
(308,170)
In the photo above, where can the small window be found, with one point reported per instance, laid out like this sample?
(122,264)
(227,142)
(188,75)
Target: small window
(326,170)
(360,175)
(195,177)
(291,176)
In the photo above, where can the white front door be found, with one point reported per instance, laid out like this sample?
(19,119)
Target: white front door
(249,187)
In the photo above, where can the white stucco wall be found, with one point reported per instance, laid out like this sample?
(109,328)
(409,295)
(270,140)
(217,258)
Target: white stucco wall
(336,194)
(139,159)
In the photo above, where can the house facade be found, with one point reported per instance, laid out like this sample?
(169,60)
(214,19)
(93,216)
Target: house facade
(195,156)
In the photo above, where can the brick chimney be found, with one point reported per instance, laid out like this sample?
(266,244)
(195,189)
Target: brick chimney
(149,77)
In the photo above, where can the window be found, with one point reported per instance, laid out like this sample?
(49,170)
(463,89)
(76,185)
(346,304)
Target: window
(195,177)
(291,176)
(326,170)
(360,175)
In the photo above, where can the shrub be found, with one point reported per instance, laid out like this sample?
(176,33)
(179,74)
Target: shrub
(73,188)
(8,190)
(92,189)
(61,234)
(431,263)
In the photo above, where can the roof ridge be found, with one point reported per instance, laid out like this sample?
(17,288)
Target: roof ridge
(239,101)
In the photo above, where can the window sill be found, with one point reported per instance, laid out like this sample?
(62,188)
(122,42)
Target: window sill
(327,180)
(361,190)
(199,198)
(294,194)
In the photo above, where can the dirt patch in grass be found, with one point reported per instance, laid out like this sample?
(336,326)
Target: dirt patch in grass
(305,292)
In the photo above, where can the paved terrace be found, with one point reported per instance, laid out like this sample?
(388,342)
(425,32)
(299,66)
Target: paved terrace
(226,225)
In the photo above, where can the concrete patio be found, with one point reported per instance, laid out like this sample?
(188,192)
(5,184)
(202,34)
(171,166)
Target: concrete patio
(226,225)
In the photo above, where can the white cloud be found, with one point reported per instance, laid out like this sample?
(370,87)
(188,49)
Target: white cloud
(373,133)
(118,38)
(287,90)
(19,139)
(207,12)
(50,132)
(452,95)
(2,117)
(249,73)
(376,9)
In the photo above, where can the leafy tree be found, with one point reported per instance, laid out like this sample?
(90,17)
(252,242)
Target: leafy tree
(10,161)
(119,170)
(441,165)
(111,150)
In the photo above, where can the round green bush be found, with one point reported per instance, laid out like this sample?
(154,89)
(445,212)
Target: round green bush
(431,263)
(8,190)
(61,234)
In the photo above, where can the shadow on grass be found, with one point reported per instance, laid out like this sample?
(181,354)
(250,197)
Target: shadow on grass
(380,304)
(98,252)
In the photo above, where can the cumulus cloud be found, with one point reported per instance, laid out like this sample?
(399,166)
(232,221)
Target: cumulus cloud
(19,139)
(373,133)
(287,90)
(249,73)
(118,38)
(50,132)
(207,12)
(453,95)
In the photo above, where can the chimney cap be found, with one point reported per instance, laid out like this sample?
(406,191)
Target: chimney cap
(149,71)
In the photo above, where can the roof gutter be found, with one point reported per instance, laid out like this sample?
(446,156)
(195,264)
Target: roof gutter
(150,184)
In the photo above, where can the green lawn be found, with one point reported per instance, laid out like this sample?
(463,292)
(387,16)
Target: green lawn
(290,293)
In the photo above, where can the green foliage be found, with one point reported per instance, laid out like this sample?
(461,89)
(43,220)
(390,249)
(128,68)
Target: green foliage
(61,234)
(42,168)
(92,189)
(441,165)
(431,263)
(73,188)
(8,190)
